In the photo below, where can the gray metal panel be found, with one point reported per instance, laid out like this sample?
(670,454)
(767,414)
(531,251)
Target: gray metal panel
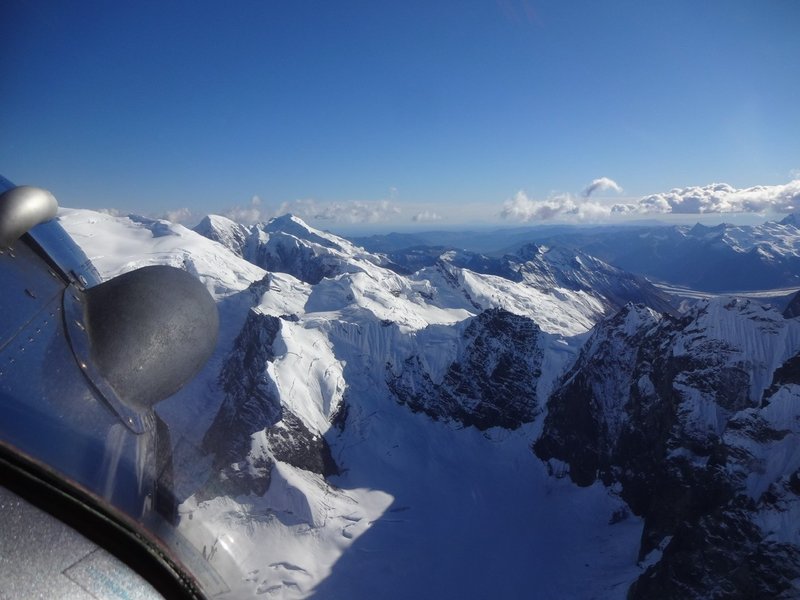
(65,253)
(48,408)
(41,557)
(30,210)
(28,286)
(52,412)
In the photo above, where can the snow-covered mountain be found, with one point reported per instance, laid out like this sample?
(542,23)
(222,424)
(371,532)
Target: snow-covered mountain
(286,244)
(540,282)
(364,429)
(696,420)
(546,268)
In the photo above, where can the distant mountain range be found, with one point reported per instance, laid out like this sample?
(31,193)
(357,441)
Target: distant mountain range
(721,258)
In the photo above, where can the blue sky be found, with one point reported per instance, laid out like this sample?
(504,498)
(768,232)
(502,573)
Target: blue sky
(448,111)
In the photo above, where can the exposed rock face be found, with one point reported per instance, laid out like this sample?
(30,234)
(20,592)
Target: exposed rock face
(491,384)
(290,441)
(671,410)
(252,429)
(792,310)
(745,545)
(251,400)
(587,413)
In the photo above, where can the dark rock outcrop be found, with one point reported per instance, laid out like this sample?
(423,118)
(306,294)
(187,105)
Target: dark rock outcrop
(792,309)
(252,429)
(491,384)
(665,408)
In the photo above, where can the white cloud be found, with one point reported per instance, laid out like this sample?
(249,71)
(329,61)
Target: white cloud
(178,215)
(114,212)
(354,211)
(311,210)
(713,198)
(602,184)
(426,216)
(623,209)
(524,208)
(723,198)
(248,214)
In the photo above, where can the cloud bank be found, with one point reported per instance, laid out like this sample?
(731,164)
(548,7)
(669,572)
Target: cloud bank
(177,215)
(709,199)
(426,216)
(353,212)
(723,198)
(248,214)
(524,208)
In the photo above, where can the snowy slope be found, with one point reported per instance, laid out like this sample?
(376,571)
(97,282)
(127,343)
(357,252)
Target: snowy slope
(547,268)
(119,244)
